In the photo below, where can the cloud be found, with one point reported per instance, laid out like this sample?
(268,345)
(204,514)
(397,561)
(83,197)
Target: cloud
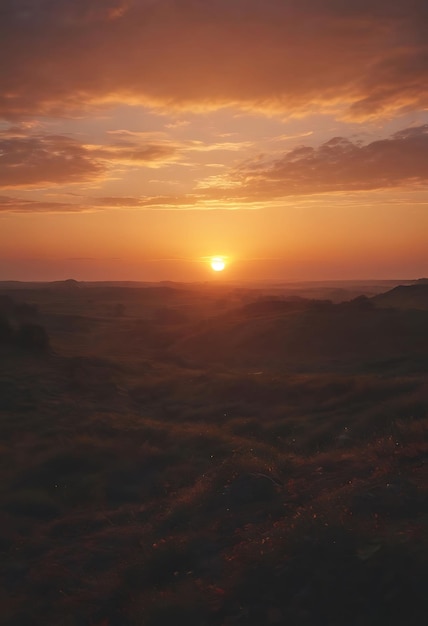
(37,159)
(65,12)
(228,146)
(151,155)
(147,202)
(9,204)
(177,124)
(12,204)
(291,56)
(337,165)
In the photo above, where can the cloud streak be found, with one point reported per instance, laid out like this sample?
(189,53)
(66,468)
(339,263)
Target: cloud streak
(37,160)
(336,166)
(290,56)
(10,204)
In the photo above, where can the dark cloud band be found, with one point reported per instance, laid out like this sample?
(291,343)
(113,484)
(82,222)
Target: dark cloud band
(292,56)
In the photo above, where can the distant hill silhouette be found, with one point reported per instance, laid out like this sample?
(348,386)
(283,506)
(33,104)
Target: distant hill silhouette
(70,283)
(405,297)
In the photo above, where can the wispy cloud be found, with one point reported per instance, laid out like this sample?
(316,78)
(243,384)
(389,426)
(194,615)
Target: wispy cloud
(177,124)
(280,138)
(10,204)
(35,159)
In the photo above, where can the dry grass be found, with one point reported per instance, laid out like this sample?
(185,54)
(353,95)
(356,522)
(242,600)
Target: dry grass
(139,492)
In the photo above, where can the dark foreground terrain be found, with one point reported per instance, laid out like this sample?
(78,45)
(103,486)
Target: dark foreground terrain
(212,456)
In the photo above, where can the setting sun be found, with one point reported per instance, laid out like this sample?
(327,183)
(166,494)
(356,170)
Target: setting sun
(218,264)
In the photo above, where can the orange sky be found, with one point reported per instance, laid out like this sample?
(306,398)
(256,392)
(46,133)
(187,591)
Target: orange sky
(140,137)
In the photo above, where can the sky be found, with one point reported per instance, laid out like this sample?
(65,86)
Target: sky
(140,138)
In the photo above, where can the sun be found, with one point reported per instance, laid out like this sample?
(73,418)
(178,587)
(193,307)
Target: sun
(218,263)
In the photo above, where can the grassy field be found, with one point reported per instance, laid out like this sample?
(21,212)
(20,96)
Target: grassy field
(207,457)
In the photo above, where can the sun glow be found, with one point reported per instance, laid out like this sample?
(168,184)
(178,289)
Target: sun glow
(218,263)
